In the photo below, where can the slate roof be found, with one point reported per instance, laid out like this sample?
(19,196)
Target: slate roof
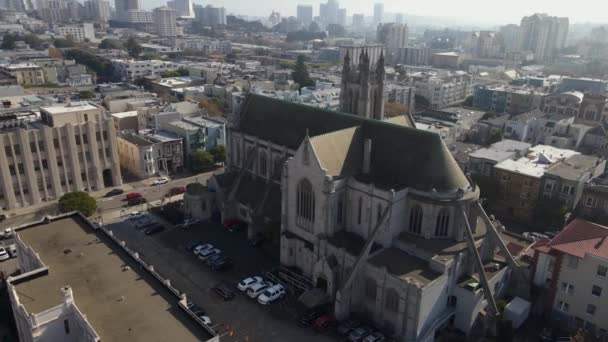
(400,157)
(579,238)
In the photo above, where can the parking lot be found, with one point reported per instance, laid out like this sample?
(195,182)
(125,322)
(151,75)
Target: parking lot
(241,319)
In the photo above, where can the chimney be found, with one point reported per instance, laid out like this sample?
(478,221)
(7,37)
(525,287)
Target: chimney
(367,155)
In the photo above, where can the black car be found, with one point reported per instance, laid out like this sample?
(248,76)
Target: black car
(213,258)
(221,264)
(157,228)
(136,201)
(114,192)
(223,290)
(312,314)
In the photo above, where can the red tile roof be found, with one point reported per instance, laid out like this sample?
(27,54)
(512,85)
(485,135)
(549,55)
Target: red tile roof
(578,238)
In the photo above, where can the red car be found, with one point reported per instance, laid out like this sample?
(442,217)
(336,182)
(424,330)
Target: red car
(233,225)
(325,323)
(133,195)
(176,191)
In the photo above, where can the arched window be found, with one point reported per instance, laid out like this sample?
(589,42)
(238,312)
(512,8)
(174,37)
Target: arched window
(263,167)
(416,219)
(360,211)
(305,204)
(443,222)
(370,288)
(392,300)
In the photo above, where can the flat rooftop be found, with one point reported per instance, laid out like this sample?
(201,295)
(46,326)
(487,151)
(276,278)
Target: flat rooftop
(94,269)
(70,107)
(404,266)
(136,140)
(123,115)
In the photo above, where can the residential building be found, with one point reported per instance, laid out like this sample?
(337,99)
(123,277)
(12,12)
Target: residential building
(52,10)
(594,110)
(71,147)
(570,270)
(520,180)
(595,142)
(136,16)
(210,16)
(544,35)
(125,121)
(378,13)
(126,5)
(400,94)
(26,74)
(454,124)
(358,21)
(442,89)
(78,33)
(78,283)
(508,99)
(164,17)
(131,70)
(326,184)
(584,85)
(147,155)
(483,160)
(419,56)
(484,44)
(183,8)
(198,133)
(304,14)
(328,12)
(565,179)
(567,103)
(511,36)
(98,10)
(362,90)
(446,60)
(163,87)
(393,37)
(593,205)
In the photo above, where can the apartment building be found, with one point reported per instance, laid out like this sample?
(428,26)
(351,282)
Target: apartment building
(147,155)
(508,99)
(442,89)
(571,270)
(131,70)
(78,33)
(71,147)
(27,74)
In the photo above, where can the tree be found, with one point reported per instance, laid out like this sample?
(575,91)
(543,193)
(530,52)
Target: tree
(183,71)
(218,153)
(202,160)
(63,43)
(111,44)
(392,109)
(86,94)
(78,201)
(300,73)
(101,66)
(133,47)
(336,30)
(8,41)
(169,73)
(33,41)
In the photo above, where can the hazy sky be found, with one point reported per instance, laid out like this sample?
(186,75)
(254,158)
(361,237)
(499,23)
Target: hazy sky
(503,11)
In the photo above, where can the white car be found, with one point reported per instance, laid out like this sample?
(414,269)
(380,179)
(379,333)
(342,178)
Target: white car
(256,289)
(7,233)
(249,282)
(135,214)
(4,254)
(161,180)
(271,294)
(206,320)
(205,254)
(12,250)
(200,248)
(188,222)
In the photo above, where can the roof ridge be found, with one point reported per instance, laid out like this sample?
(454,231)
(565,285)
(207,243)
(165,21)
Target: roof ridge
(332,132)
(574,225)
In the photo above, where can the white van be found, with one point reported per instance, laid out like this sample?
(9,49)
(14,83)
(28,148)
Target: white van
(257,289)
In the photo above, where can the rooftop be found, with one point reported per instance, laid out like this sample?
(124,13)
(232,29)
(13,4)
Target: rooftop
(121,304)
(575,167)
(578,238)
(125,114)
(69,107)
(404,266)
(137,140)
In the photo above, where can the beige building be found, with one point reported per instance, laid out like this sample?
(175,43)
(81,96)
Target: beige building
(70,148)
(571,271)
(86,286)
(26,73)
(148,155)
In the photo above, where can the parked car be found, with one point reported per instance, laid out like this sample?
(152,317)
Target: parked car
(176,191)
(234,225)
(358,334)
(257,289)
(223,290)
(201,247)
(325,322)
(188,222)
(4,254)
(12,250)
(212,258)
(136,201)
(271,294)
(206,253)
(197,311)
(206,320)
(345,327)
(133,195)
(192,245)
(6,233)
(114,192)
(193,307)
(221,264)
(2,217)
(312,314)
(135,215)
(246,283)
(160,181)
(257,239)
(374,337)
(157,228)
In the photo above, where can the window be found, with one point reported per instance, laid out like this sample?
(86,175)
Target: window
(56,143)
(572,261)
(563,306)
(306,157)
(415,219)
(567,189)
(392,300)
(305,204)
(263,165)
(591,309)
(8,151)
(11,169)
(596,291)
(443,222)
(66,326)
(602,270)
(567,288)
(370,288)
(360,211)
(590,202)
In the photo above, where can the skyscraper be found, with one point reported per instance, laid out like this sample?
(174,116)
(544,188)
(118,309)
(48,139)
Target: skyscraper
(544,35)
(511,38)
(342,17)
(393,37)
(164,17)
(358,21)
(399,18)
(125,5)
(183,8)
(378,13)
(305,14)
(362,91)
(210,16)
(329,12)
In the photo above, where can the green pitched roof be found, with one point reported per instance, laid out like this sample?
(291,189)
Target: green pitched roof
(400,157)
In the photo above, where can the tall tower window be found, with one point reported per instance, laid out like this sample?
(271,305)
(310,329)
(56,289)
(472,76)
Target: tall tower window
(415,219)
(305,204)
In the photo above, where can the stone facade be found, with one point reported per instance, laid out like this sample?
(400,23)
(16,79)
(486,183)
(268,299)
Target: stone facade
(362,85)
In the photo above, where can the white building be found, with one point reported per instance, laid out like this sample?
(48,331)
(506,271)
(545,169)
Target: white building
(130,69)
(164,18)
(79,33)
(442,89)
